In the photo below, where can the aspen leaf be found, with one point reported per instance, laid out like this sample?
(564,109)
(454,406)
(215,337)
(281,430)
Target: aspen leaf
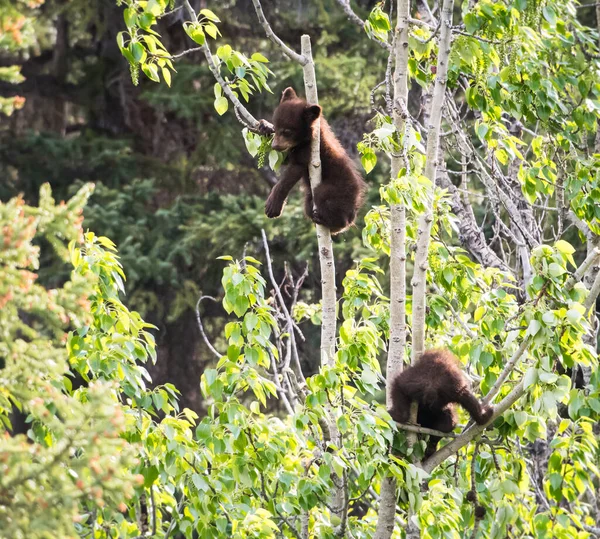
(209,15)
(167,76)
(564,247)
(221,105)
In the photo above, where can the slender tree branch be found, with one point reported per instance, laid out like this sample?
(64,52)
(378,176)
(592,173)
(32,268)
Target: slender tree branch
(247,119)
(290,53)
(509,367)
(185,53)
(582,269)
(489,181)
(283,306)
(590,301)
(215,352)
(345,5)
(463,439)
(424,430)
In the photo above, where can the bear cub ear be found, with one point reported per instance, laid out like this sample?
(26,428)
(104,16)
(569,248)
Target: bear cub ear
(288,94)
(312,112)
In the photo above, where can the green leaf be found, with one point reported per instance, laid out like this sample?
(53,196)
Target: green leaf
(258,57)
(154,7)
(146,20)
(250,321)
(150,475)
(482,130)
(479,312)
(167,76)
(130,16)
(548,377)
(530,377)
(501,155)
(195,32)
(210,375)
(449,275)
(241,305)
(211,30)
(549,318)
(520,418)
(556,270)
(209,15)
(534,327)
(151,71)
(233,352)
(564,247)
(224,52)
(549,15)
(221,105)
(275,159)
(368,160)
(138,52)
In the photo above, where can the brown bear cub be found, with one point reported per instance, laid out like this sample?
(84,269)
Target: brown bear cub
(436,382)
(340,194)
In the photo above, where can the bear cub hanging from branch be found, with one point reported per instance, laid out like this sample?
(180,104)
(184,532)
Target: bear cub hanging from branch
(437,382)
(340,194)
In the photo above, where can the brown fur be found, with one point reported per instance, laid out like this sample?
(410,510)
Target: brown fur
(340,194)
(436,382)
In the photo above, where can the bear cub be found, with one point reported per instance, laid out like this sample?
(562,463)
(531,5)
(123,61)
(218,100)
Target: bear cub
(437,382)
(340,194)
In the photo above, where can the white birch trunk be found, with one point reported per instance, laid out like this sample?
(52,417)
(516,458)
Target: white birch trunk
(328,323)
(328,320)
(419,280)
(397,343)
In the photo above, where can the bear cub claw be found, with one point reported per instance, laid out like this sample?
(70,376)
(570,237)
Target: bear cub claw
(273,208)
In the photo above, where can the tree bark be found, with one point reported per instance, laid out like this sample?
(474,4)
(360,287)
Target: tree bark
(328,297)
(419,280)
(397,342)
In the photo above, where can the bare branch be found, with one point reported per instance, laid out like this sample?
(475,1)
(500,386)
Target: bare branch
(460,32)
(290,53)
(508,368)
(463,439)
(215,352)
(284,309)
(424,430)
(500,191)
(345,4)
(582,269)
(185,53)
(590,301)
(247,119)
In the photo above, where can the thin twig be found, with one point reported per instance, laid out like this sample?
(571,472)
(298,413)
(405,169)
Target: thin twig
(283,306)
(425,430)
(201,327)
(290,53)
(345,4)
(509,367)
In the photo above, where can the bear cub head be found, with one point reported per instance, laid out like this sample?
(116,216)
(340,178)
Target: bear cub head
(293,120)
